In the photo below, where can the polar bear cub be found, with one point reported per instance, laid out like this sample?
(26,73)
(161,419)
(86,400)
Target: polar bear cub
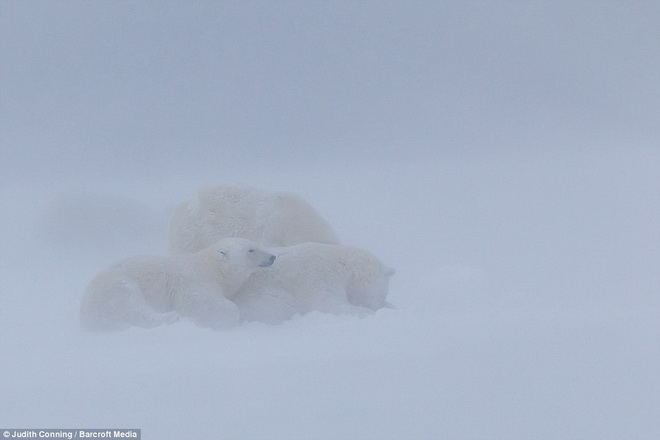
(150,291)
(268,218)
(314,276)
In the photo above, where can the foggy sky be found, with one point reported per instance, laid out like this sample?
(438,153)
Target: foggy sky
(124,88)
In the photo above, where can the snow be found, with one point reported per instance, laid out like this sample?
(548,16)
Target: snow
(503,159)
(490,338)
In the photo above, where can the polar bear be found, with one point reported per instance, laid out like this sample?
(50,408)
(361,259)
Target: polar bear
(150,291)
(315,276)
(268,218)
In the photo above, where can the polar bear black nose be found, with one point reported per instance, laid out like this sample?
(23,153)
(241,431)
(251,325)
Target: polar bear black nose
(269,262)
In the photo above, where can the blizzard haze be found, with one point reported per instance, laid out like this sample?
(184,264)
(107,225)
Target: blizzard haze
(503,157)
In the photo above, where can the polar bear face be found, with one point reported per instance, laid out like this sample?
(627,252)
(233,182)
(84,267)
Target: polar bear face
(234,260)
(242,253)
(371,289)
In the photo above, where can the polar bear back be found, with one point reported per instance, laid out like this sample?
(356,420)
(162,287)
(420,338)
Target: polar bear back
(361,276)
(315,277)
(268,218)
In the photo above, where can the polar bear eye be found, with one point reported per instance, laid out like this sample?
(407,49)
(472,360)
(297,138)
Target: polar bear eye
(222,253)
(251,250)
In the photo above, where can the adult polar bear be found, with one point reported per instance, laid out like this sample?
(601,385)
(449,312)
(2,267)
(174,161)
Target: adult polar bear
(314,276)
(150,291)
(268,218)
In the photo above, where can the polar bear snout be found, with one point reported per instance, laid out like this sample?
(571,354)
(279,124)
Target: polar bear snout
(268,262)
(261,258)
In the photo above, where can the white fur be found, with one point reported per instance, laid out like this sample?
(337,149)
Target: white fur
(268,218)
(314,276)
(150,291)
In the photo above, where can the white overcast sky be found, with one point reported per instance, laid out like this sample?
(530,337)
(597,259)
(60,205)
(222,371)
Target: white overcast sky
(174,85)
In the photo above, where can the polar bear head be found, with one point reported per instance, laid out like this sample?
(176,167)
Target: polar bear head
(235,259)
(243,253)
(370,286)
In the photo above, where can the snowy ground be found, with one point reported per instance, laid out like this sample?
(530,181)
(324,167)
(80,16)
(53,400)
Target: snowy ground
(526,293)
